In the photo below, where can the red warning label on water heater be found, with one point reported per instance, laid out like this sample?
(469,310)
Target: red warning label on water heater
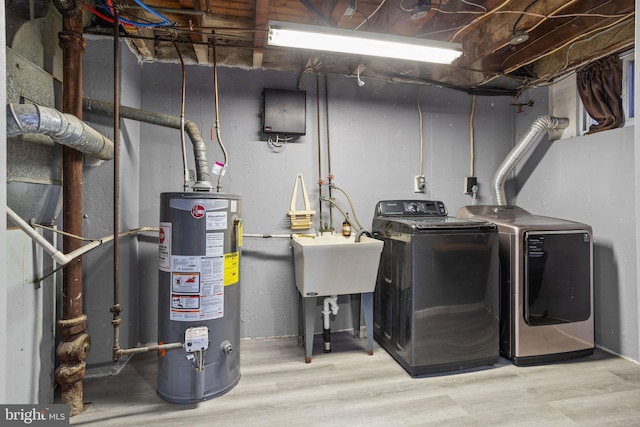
(198,211)
(164,246)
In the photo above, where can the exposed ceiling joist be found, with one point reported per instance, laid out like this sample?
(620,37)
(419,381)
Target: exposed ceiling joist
(562,34)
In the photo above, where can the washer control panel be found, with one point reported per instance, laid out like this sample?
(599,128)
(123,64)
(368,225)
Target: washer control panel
(410,208)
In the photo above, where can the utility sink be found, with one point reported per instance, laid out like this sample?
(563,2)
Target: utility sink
(332,264)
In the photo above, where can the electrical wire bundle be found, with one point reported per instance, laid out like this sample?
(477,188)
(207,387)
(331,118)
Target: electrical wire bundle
(109,9)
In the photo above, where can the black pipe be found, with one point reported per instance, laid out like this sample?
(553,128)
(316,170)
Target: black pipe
(326,338)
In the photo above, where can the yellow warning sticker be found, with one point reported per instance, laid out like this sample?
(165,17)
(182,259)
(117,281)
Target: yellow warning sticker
(231,268)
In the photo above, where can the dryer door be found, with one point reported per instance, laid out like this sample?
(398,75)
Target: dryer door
(557,287)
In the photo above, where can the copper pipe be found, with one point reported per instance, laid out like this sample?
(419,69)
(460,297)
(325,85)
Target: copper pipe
(75,343)
(329,171)
(217,109)
(183,90)
(319,151)
(116,309)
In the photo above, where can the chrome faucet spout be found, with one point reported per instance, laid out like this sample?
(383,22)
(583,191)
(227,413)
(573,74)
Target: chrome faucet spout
(361,232)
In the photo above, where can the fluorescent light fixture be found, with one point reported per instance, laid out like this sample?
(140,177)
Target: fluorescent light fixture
(361,43)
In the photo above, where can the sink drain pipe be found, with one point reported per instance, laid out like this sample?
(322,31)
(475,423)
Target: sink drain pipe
(330,306)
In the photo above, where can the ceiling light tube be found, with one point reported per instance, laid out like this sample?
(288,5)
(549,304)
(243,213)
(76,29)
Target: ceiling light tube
(302,36)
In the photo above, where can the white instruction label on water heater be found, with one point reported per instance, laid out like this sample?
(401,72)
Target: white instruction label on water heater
(186,264)
(217,220)
(197,287)
(215,244)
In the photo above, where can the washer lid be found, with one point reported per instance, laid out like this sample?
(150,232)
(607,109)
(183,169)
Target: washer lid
(417,224)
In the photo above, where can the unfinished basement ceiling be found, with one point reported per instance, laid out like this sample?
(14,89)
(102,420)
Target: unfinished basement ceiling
(562,36)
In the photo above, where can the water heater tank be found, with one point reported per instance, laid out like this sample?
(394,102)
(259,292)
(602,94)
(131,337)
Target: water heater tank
(199,295)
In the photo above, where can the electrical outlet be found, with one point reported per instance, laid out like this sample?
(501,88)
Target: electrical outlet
(469,183)
(419,184)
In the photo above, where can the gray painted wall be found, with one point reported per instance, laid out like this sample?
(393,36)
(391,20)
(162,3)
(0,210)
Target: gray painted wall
(374,144)
(592,179)
(30,311)
(636,134)
(374,138)
(98,205)
(374,141)
(28,306)
(4,355)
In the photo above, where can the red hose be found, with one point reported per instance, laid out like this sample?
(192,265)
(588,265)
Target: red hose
(105,17)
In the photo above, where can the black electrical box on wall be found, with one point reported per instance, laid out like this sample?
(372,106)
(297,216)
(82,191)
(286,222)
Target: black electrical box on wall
(284,112)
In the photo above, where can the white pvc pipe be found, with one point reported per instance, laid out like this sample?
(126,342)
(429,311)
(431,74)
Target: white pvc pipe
(330,306)
(58,256)
(268,236)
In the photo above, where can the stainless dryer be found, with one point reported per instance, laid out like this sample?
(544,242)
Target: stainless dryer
(546,284)
(436,302)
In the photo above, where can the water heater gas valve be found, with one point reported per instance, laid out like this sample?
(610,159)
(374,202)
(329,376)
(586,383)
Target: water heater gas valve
(196,339)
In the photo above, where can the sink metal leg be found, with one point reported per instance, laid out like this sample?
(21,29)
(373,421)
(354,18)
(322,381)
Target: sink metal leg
(309,310)
(367,302)
(355,314)
(300,319)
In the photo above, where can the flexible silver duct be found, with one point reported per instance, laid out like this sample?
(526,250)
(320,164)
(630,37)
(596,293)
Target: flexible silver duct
(65,129)
(199,146)
(529,139)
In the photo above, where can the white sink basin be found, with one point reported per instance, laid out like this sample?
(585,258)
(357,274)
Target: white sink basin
(332,264)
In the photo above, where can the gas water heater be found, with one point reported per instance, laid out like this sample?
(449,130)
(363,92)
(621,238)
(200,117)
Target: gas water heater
(199,295)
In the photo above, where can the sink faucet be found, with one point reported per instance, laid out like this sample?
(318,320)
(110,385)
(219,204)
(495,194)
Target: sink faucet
(361,232)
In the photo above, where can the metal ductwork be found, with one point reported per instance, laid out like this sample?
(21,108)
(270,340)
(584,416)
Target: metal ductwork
(199,146)
(65,129)
(533,135)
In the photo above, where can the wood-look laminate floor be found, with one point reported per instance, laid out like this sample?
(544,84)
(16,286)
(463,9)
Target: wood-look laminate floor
(347,387)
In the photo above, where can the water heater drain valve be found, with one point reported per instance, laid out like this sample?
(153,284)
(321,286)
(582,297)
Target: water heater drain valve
(196,339)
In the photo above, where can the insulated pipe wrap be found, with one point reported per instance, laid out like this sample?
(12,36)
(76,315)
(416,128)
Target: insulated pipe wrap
(533,135)
(65,129)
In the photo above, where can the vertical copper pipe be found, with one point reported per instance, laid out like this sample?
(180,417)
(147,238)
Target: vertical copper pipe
(216,98)
(330,173)
(75,343)
(116,309)
(320,181)
(185,167)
